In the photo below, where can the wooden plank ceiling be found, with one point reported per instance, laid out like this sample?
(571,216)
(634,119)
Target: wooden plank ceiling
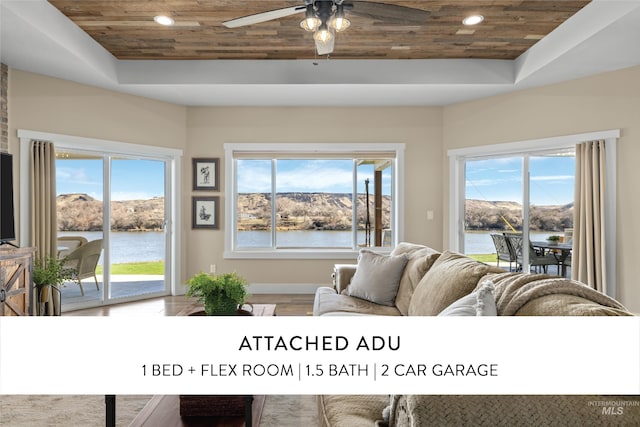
(127,30)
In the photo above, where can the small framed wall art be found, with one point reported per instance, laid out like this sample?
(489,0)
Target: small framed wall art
(206,174)
(205,212)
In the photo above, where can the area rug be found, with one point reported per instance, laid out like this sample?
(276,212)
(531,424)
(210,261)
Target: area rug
(89,411)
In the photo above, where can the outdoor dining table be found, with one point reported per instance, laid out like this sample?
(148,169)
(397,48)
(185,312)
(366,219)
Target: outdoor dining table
(562,251)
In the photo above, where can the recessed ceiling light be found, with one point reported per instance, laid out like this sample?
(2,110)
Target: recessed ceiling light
(163,20)
(473,19)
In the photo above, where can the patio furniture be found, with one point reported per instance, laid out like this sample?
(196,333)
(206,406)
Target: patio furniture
(67,244)
(84,260)
(504,251)
(537,259)
(562,252)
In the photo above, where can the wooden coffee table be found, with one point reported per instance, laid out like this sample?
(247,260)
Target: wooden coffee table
(164,411)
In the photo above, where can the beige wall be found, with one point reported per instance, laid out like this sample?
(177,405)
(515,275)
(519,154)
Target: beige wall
(418,128)
(606,101)
(52,105)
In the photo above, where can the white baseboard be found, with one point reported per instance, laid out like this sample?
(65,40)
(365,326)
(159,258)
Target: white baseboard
(283,288)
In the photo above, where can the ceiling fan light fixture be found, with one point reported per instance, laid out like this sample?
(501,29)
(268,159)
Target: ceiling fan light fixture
(310,22)
(163,20)
(323,35)
(473,20)
(339,21)
(325,47)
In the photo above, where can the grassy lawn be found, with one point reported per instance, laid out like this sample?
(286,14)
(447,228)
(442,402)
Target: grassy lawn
(156,267)
(483,257)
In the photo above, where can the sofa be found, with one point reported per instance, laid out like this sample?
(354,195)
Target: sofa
(416,280)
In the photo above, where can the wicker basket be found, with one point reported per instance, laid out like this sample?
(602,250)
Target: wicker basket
(214,405)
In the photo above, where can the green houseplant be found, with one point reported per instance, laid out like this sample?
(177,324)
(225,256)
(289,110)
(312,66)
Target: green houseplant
(221,294)
(49,272)
(554,239)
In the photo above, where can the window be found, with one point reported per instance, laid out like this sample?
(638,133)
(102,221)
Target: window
(311,200)
(519,170)
(494,200)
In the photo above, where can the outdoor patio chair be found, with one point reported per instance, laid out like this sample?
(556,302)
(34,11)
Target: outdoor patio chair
(537,260)
(504,251)
(83,262)
(67,244)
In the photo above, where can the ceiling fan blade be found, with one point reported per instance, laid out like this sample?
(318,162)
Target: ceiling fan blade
(389,14)
(263,17)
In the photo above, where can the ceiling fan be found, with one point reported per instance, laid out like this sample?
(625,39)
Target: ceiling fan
(326,17)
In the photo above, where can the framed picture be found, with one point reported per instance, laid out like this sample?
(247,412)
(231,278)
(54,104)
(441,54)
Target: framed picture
(206,174)
(205,212)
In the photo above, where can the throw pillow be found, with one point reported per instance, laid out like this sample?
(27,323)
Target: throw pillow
(477,303)
(450,278)
(377,277)
(421,258)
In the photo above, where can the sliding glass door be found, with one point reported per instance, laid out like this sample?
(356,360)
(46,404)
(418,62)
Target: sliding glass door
(137,240)
(129,194)
(551,197)
(492,203)
(526,197)
(80,211)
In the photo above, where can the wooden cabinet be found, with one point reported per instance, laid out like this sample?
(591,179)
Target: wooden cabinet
(16,286)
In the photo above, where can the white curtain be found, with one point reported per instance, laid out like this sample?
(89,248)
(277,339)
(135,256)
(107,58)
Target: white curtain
(589,239)
(43,223)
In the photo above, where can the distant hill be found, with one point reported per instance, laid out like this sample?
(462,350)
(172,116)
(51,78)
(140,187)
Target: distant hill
(297,211)
(485,215)
(81,212)
(306,211)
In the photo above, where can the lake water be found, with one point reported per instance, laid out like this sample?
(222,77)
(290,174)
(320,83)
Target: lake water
(128,246)
(149,246)
(480,242)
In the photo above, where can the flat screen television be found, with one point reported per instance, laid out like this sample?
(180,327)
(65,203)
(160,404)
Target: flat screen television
(7,223)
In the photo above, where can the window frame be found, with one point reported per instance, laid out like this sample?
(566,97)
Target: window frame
(352,150)
(458,157)
(106,149)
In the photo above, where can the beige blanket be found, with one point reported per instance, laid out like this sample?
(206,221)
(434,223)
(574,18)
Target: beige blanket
(544,295)
(516,410)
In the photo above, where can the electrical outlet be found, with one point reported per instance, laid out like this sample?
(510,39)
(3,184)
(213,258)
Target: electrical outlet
(429,215)
(212,269)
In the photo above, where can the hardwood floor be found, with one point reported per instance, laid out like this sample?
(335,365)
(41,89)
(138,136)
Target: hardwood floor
(287,305)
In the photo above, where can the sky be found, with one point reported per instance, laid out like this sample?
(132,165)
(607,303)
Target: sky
(330,176)
(143,179)
(131,179)
(552,180)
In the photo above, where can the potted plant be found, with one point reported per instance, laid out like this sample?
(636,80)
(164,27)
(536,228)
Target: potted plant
(221,294)
(49,272)
(553,240)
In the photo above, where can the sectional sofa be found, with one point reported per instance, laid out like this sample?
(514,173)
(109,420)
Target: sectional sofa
(416,280)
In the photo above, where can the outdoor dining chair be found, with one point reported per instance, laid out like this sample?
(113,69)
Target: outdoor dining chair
(537,260)
(504,251)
